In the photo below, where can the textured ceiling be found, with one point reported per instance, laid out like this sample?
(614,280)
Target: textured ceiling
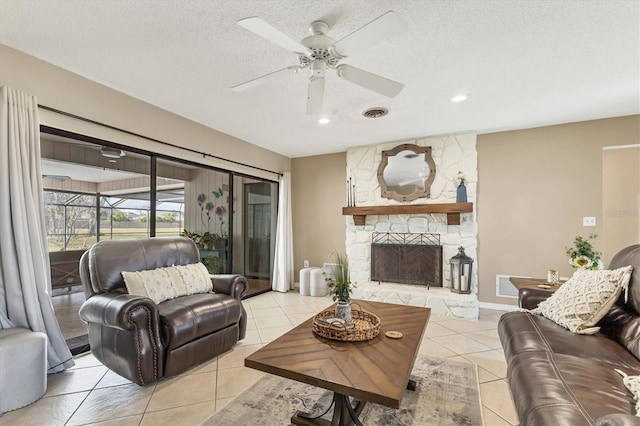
(524,63)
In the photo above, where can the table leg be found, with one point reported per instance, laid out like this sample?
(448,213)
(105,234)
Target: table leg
(344,414)
(411,385)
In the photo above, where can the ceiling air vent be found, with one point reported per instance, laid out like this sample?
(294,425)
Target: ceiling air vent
(375,112)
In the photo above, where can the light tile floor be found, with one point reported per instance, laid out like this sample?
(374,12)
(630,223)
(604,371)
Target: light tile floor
(91,394)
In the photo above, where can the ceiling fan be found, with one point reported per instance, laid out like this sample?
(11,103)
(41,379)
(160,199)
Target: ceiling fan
(318,52)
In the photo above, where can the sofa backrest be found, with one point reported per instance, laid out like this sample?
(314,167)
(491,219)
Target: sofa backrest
(622,322)
(101,266)
(625,257)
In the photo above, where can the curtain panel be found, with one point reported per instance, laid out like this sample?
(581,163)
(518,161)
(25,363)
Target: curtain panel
(25,280)
(283,265)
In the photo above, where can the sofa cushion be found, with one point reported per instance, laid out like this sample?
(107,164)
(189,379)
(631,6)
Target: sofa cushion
(168,283)
(523,332)
(585,299)
(187,318)
(555,389)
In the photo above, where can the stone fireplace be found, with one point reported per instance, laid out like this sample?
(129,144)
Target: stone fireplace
(452,154)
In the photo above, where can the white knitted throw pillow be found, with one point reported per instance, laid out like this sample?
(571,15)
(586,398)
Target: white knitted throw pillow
(168,283)
(585,299)
(633,384)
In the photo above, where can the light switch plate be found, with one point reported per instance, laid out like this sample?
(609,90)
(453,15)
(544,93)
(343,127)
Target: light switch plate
(589,221)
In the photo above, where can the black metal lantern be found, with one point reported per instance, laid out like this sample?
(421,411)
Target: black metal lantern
(461,267)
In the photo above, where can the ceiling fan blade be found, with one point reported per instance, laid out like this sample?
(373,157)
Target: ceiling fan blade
(260,80)
(268,32)
(315,98)
(371,81)
(380,29)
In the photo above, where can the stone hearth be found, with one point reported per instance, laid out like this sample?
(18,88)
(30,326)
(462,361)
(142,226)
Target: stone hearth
(441,300)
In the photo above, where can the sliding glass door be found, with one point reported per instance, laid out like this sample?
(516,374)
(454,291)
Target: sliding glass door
(255,213)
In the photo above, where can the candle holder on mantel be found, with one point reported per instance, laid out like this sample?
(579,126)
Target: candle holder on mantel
(461,267)
(351,192)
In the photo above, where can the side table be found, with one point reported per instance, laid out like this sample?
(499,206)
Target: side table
(531,288)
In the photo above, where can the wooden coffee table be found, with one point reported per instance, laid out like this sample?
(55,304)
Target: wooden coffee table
(373,371)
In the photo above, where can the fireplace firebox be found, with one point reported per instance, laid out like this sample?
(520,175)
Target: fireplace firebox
(406,258)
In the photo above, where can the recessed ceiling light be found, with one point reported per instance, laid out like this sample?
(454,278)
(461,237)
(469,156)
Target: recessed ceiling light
(323,120)
(460,98)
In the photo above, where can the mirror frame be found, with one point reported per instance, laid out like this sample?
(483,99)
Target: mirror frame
(424,192)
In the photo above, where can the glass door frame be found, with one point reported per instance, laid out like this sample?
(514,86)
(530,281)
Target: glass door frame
(153,177)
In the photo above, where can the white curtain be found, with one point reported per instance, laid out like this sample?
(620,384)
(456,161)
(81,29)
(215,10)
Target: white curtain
(283,264)
(25,280)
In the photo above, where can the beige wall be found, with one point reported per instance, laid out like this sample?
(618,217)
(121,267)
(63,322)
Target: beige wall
(534,187)
(318,195)
(69,92)
(621,198)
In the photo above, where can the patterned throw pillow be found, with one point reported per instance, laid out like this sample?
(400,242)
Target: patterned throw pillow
(585,299)
(633,384)
(168,283)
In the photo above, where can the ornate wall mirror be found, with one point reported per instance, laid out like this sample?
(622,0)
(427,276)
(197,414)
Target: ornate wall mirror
(406,172)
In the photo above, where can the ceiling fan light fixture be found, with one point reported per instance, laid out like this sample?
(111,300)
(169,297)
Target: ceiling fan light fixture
(320,51)
(324,120)
(375,112)
(114,153)
(460,98)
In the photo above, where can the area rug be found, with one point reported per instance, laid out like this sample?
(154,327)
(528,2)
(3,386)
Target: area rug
(447,393)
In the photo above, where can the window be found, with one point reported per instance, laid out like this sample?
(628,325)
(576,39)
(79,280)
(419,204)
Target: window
(70,220)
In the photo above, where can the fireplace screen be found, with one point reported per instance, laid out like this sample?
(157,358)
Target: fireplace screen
(406,258)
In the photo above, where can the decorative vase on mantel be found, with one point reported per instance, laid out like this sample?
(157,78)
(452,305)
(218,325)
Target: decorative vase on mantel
(343,311)
(461,193)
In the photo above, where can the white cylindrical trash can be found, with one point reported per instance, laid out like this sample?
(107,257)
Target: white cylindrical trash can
(305,281)
(319,286)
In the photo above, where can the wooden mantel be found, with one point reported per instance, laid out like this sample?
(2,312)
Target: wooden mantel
(452,210)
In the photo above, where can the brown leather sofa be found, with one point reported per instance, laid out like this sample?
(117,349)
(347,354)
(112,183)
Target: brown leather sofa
(144,341)
(561,378)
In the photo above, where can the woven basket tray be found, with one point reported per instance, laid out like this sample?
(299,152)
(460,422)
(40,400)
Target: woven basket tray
(366,326)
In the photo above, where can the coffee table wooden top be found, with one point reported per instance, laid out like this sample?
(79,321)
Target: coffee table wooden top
(376,370)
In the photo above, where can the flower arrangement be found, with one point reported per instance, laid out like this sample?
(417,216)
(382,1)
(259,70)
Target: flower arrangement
(340,283)
(583,256)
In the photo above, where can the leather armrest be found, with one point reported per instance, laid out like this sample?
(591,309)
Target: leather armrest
(529,298)
(119,310)
(232,284)
(618,419)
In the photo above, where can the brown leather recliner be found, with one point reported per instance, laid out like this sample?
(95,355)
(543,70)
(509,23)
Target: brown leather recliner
(144,341)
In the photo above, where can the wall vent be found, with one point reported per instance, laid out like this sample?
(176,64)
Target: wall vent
(329,270)
(505,288)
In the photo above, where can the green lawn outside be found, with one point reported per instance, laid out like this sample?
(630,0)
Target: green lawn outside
(82,240)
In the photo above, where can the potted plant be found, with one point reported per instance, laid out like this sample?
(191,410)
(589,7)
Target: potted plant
(340,287)
(204,241)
